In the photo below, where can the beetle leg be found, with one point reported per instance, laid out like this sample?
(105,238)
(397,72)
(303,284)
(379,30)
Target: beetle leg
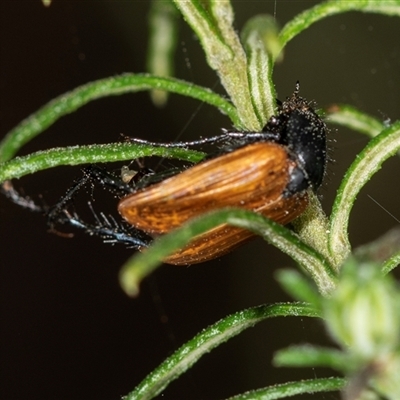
(7,188)
(59,214)
(109,229)
(109,180)
(55,214)
(105,227)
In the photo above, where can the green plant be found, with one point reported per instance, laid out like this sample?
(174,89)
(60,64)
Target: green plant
(320,245)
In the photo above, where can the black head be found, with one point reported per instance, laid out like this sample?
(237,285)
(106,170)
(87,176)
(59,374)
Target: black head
(303,132)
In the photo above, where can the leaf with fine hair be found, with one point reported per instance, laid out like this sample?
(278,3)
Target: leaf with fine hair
(384,251)
(208,339)
(256,36)
(312,356)
(352,118)
(299,287)
(212,22)
(367,163)
(163,27)
(73,100)
(141,265)
(333,7)
(95,153)
(289,389)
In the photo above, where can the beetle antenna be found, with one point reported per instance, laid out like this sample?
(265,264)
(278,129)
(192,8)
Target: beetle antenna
(232,139)
(7,188)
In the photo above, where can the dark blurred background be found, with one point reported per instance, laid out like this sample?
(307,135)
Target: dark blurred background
(67,329)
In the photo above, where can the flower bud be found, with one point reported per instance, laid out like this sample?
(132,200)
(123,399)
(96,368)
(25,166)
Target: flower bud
(363,313)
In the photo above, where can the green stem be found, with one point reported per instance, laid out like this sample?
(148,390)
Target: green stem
(224,52)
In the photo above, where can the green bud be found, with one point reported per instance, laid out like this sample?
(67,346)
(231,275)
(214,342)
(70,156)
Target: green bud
(363,313)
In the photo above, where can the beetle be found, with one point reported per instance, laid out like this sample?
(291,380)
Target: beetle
(252,177)
(268,172)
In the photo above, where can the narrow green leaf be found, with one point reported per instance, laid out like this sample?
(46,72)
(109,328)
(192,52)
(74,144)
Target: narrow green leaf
(299,287)
(97,153)
(333,7)
(140,265)
(367,163)
(312,356)
(352,118)
(207,340)
(391,263)
(163,28)
(224,53)
(384,250)
(290,389)
(268,30)
(71,101)
(318,267)
(256,36)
